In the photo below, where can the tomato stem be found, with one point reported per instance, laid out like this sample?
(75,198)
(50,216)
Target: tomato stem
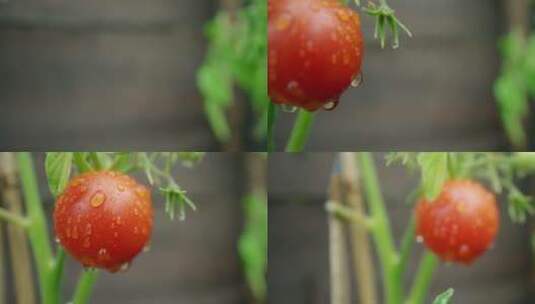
(37,229)
(85,286)
(420,287)
(381,231)
(407,242)
(300,132)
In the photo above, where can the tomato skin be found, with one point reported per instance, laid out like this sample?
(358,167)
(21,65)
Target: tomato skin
(103,219)
(315,51)
(461,223)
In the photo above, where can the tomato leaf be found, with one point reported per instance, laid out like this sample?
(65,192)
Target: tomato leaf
(434,167)
(445,297)
(58,170)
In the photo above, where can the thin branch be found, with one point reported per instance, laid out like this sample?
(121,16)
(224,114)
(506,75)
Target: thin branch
(347,214)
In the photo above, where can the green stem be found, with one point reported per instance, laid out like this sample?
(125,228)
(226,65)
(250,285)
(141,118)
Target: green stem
(272,118)
(57,272)
(37,229)
(407,242)
(380,230)
(85,286)
(420,287)
(300,132)
(13,218)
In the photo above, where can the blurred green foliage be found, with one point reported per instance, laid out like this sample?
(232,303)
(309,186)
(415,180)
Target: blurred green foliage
(515,85)
(253,245)
(237,55)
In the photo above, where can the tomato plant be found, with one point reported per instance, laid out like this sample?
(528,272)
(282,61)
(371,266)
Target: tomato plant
(103,219)
(102,216)
(456,217)
(315,52)
(461,223)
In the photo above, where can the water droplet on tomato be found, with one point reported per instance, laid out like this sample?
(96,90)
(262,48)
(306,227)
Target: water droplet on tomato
(288,108)
(87,243)
(57,239)
(464,250)
(124,267)
(97,199)
(358,80)
(121,188)
(420,239)
(331,105)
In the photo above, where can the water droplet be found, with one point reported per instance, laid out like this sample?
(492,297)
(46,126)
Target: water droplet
(464,250)
(288,108)
(116,234)
(292,86)
(331,105)
(57,239)
(146,248)
(358,80)
(136,211)
(87,243)
(121,188)
(136,230)
(140,191)
(98,199)
(124,267)
(420,239)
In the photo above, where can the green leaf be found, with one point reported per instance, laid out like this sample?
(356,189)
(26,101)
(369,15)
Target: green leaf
(58,170)
(434,168)
(445,297)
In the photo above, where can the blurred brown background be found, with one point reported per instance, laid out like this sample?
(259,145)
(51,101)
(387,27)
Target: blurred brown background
(195,261)
(111,74)
(298,239)
(433,91)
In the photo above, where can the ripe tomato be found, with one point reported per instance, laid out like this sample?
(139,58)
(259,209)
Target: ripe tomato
(103,219)
(315,52)
(461,223)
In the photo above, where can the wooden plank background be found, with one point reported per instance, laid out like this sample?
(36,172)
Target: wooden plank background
(111,74)
(195,261)
(434,92)
(298,239)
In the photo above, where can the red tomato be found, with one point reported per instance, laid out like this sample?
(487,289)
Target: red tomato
(104,219)
(461,223)
(315,52)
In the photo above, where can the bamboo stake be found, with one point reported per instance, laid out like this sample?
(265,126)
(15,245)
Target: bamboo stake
(361,248)
(338,259)
(19,251)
